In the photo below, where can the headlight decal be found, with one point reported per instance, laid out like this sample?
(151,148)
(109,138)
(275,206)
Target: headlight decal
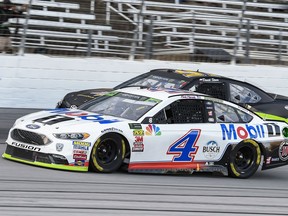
(72,136)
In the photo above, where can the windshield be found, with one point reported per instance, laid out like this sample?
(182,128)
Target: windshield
(158,81)
(123,105)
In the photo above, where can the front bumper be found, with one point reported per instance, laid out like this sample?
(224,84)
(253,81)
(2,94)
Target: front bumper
(53,161)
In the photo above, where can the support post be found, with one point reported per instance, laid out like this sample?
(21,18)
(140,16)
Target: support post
(21,50)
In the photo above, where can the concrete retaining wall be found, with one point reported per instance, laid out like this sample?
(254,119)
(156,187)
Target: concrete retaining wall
(36,81)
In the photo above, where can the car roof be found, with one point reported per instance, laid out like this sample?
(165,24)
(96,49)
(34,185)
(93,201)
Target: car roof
(165,93)
(184,74)
(158,93)
(179,74)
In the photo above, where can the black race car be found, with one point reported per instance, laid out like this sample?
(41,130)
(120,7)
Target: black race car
(217,86)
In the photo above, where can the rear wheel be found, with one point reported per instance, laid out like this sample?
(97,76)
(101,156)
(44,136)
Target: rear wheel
(107,154)
(244,159)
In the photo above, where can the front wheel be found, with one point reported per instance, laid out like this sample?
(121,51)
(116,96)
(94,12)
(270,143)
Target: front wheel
(107,154)
(244,159)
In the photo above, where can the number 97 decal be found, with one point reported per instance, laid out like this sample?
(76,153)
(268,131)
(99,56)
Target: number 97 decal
(185,148)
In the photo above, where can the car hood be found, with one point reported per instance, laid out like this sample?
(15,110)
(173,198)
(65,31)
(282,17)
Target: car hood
(92,92)
(63,119)
(77,98)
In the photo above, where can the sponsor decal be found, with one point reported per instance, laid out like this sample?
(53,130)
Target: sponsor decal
(32,126)
(152,129)
(209,80)
(59,147)
(75,113)
(25,146)
(99,119)
(188,73)
(111,130)
(79,162)
(283,151)
(233,132)
(77,151)
(268,160)
(80,157)
(135,126)
(139,139)
(211,150)
(138,132)
(190,97)
(273,129)
(138,145)
(249,131)
(81,145)
(185,148)
(53,119)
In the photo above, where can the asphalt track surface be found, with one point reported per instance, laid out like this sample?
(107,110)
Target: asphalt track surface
(29,191)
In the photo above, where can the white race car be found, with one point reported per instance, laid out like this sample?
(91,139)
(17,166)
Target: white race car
(150,130)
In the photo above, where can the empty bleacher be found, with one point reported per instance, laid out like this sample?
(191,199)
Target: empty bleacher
(254,31)
(50,25)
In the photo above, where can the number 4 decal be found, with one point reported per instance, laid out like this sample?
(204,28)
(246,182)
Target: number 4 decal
(185,148)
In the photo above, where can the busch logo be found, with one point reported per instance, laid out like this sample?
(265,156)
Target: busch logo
(211,150)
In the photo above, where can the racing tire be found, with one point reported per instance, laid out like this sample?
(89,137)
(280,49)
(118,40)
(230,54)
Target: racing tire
(108,153)
(244,159)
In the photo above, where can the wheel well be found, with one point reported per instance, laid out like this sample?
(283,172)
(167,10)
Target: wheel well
(262,149)
(261,146)
(245,158)
(259,143)
(127,146)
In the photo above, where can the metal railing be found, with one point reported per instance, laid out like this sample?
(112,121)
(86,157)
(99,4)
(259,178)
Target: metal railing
(139,29)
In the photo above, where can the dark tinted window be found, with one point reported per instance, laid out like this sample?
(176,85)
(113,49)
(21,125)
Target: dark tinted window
(214,89)
(181,112)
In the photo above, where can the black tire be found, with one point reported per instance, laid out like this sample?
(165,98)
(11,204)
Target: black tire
(244,159)
(108,153)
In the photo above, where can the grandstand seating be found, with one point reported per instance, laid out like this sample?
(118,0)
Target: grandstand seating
(53,26)
(190,26)
(50,4)
(255,29)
